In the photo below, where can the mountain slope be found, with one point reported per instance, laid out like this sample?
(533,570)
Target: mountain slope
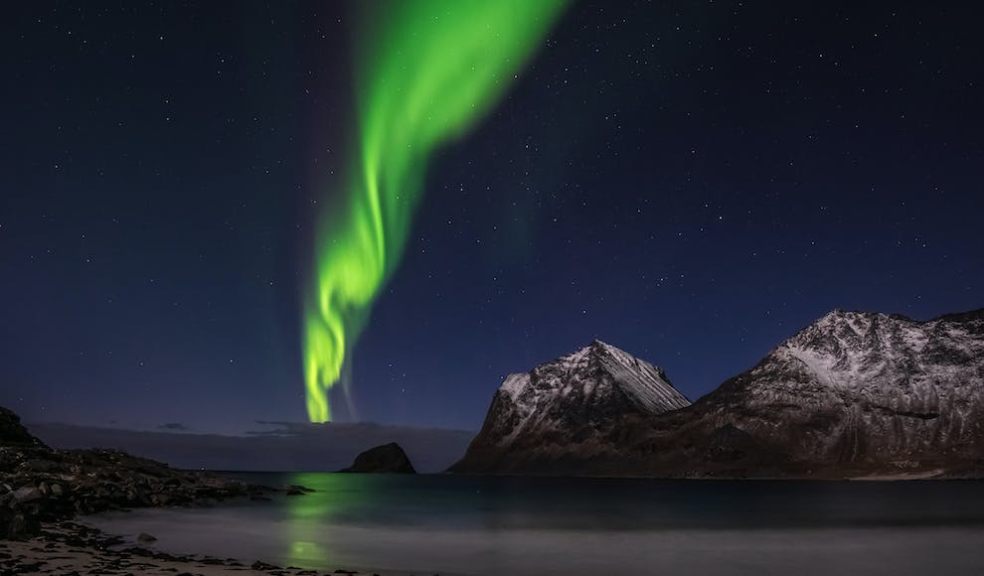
(565,414)
(854,393)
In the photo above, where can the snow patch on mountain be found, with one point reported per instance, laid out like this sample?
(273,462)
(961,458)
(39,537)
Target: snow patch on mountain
(646,383)
(593,382)
(852,394)
(889,357)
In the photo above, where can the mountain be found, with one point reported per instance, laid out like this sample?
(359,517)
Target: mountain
(854,394)
(569,414)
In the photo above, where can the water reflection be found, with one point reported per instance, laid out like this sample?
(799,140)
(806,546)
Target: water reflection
(310,518)
(585,527)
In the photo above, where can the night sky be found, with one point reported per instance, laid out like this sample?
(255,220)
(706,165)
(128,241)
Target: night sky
(692,182)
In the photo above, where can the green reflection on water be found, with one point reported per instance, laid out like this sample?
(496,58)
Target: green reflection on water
(309,517)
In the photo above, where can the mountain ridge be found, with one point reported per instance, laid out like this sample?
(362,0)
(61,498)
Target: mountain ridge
(852,394)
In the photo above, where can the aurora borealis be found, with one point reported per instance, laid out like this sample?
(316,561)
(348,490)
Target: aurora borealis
(426,74)
(690,181)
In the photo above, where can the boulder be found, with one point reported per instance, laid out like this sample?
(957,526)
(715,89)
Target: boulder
(27,494)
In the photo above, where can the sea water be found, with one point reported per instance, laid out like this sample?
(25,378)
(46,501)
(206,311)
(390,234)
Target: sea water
(466,525)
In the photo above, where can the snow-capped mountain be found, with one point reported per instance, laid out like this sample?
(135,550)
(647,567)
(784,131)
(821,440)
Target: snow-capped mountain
(852,394)
(567,411)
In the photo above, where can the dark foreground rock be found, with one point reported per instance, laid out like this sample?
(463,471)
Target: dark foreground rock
(385,459)
(39,484)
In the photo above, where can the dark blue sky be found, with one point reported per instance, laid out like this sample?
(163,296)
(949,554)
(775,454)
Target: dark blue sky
(690,182)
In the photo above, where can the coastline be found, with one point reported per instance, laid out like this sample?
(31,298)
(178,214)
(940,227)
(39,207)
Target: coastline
(44,491)
(476,531)
(69,547)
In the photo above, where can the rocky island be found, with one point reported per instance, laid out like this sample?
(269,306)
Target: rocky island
(386,459)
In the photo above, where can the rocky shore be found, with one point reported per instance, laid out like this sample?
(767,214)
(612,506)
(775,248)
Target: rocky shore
(41,485)
(42,490)
(70,549)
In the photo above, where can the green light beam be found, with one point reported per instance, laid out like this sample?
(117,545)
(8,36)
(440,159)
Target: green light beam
(427,72)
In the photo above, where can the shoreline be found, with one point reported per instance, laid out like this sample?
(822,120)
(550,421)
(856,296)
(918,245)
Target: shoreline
(69,547)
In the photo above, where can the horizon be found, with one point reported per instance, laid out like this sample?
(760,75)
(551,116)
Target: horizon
(300,447)
(245,431)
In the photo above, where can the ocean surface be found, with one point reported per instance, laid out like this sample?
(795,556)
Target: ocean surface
(454,525)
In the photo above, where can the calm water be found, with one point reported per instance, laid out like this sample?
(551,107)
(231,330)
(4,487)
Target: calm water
(466,525)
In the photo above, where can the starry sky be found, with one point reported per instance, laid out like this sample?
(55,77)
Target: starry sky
(690,181)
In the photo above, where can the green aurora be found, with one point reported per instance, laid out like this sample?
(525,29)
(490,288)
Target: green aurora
(426,72)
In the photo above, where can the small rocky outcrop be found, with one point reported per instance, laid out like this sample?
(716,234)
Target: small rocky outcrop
(385,459)
(39,484)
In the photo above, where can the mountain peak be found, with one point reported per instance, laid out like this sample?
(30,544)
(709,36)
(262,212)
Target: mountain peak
(570,404)
(890,356)
(579,372)
(600,345)
(604,348)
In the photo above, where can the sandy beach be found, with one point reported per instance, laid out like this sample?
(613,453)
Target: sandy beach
(69,548)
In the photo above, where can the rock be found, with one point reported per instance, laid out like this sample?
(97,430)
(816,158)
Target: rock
(42,465)
(386,459)
(294,490)
(17,525)
(144,538)
(27,494)
(55,485)
(13,433)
